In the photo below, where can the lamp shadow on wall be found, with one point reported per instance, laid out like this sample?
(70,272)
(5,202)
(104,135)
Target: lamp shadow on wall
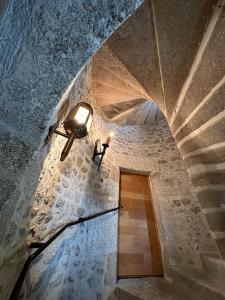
(96,185)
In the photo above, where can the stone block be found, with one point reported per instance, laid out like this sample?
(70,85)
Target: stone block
(221,245)
(217,177)
(211,198)
(134,44)
(180,26)
(216,220)
(6,189)
(210,71)
(210,157)
(15,153)
(213,107)
(212,135)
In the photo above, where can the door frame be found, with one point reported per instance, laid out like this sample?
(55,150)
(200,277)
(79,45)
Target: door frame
(158,220)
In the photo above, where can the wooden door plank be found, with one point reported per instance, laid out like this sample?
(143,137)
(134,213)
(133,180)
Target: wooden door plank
(139,248)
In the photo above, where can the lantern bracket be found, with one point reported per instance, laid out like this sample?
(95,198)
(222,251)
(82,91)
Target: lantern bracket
(53,129)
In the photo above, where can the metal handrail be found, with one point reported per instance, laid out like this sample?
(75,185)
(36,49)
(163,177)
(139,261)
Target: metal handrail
(42,246)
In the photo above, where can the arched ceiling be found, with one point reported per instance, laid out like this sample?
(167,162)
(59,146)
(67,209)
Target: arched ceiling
(136,112)
(113,111)
(126,68)
(111,80)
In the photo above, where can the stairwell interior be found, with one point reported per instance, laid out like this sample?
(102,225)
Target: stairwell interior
(154,73)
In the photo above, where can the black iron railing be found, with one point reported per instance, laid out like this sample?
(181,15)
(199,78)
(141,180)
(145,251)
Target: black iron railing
(42,246)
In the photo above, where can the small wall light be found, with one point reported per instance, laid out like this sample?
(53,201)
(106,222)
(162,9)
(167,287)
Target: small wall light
(77,125)
(99,149)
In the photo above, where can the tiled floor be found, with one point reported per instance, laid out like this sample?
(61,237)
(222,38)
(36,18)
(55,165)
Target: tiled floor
(139,248)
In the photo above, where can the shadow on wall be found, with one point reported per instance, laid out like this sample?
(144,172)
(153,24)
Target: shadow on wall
(3,7)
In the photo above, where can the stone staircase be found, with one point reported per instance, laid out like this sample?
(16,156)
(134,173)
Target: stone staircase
(184,287)
(133,113)
(206,283)
(146,289)
(120,294)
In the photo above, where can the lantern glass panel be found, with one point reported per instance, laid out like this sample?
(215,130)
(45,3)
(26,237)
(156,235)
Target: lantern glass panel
(81,115)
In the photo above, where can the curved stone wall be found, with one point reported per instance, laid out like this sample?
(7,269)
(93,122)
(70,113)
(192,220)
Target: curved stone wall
(82,263)
(43,45)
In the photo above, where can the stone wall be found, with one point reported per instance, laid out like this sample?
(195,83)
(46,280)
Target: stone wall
(73,188)
(43,46)
(82,262)
(184,228)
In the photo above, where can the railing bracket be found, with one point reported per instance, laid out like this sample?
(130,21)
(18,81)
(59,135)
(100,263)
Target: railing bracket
(36,245)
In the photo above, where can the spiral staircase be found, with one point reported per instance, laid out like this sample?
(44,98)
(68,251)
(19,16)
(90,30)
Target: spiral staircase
(171,52)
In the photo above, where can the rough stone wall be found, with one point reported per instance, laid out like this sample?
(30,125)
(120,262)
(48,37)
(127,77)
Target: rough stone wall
(43,45)
(198,124)
(154,150)
(73,188)
(81,264)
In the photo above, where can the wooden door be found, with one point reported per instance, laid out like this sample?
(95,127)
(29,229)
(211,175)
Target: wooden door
(139,252)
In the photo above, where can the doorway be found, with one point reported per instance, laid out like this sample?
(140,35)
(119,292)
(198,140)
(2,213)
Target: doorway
(139,252)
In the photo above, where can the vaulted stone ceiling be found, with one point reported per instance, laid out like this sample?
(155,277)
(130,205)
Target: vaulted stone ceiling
(136,112)
(113,111)
(126,69)
(111,80)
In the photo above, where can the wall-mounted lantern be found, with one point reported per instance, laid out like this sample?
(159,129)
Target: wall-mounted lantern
(99,149)
(77,125)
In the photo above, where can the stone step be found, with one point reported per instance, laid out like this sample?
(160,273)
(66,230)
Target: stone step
(120,294)
(144,111)
(170,17)
(121,73)
(152,113)
(109,90)
(195,108)
(128,118)
(115,84)
(198,283)
(214,270)
(116,74)
(113,98)
(107,68)
(152,288)
(139,55)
